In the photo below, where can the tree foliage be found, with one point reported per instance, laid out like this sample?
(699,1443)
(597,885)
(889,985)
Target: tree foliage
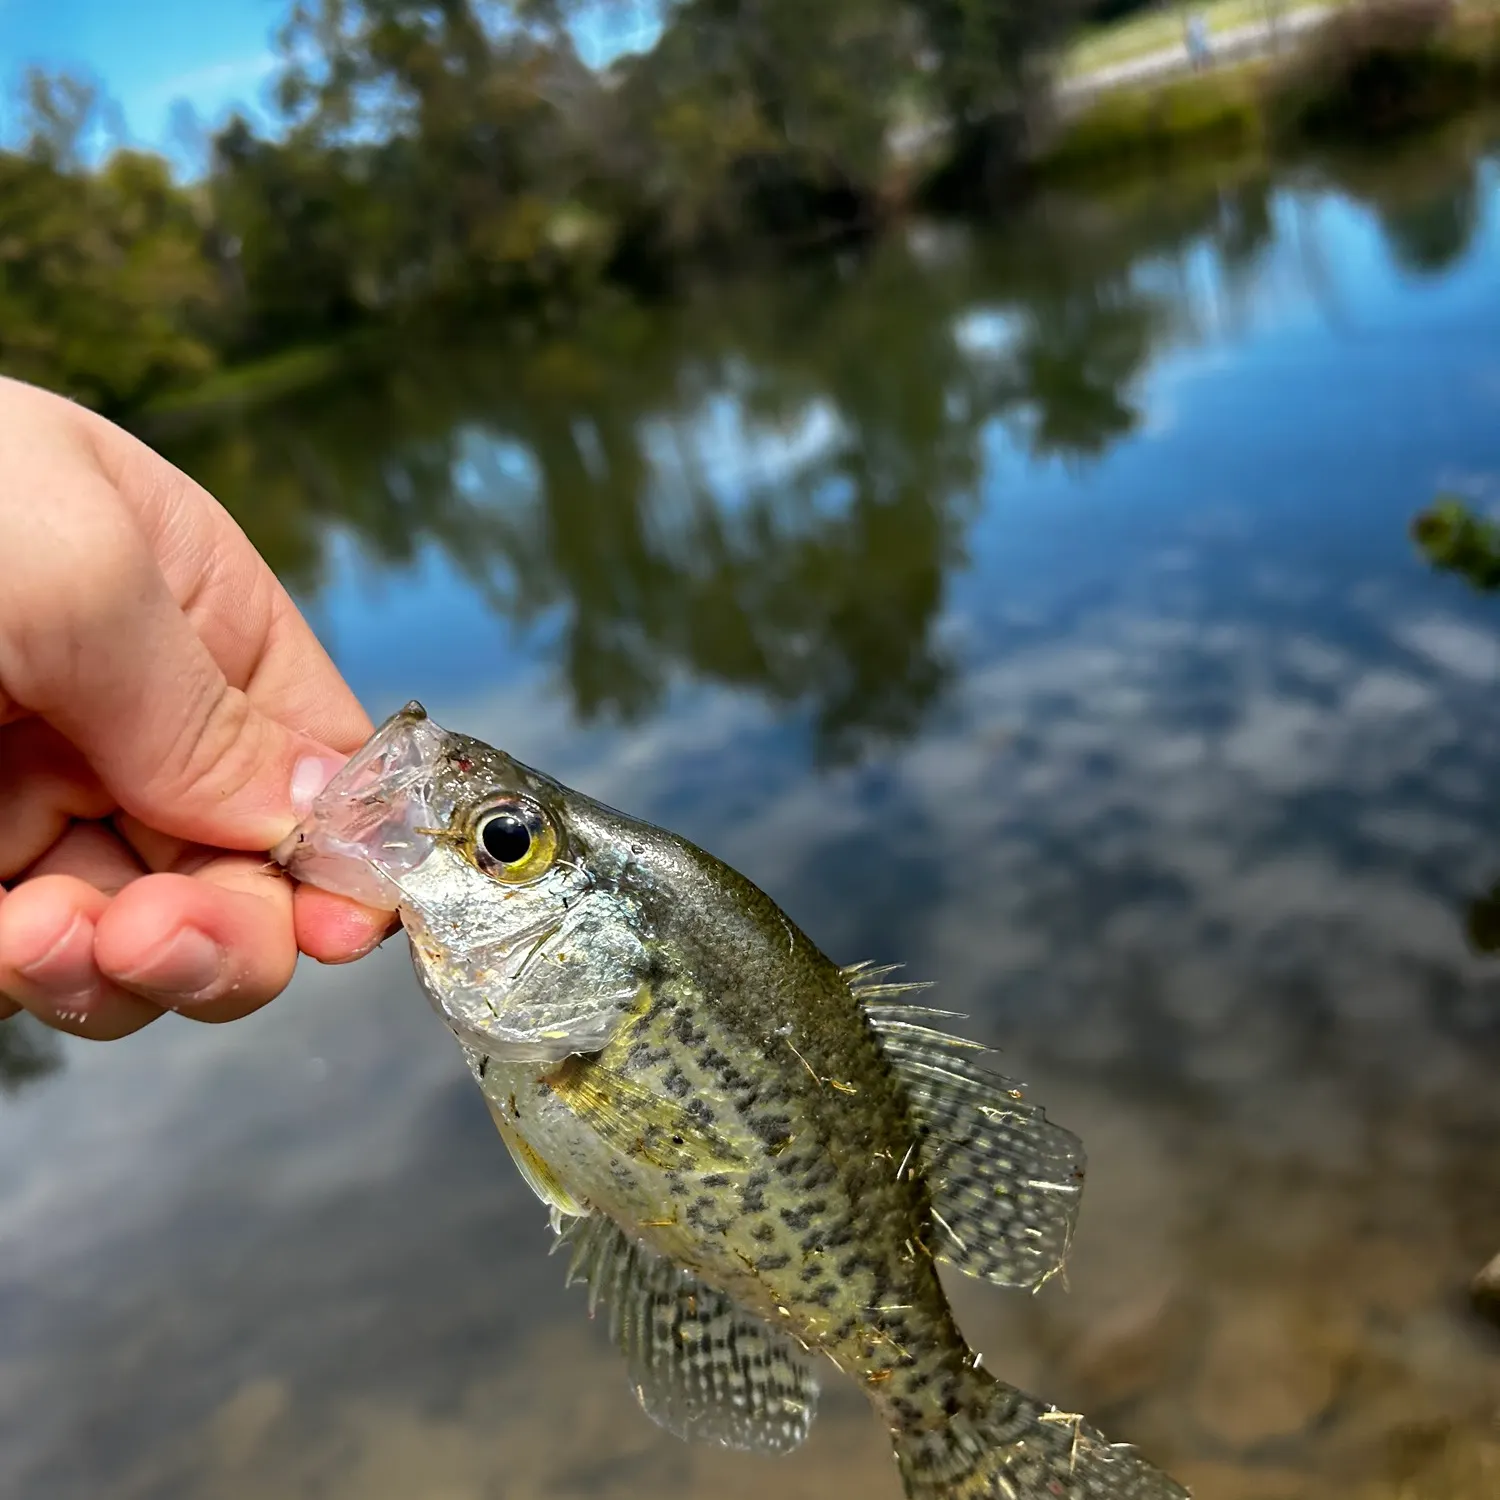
(451,152)
(437,160)
(105,287)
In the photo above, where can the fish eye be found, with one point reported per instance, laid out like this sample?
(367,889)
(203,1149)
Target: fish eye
(514,841)
(506,838)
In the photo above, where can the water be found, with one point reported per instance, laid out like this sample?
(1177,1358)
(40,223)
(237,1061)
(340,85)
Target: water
(1036,609)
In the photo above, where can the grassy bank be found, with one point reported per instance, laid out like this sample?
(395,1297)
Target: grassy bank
(1136,128)
(1371,73)
(275,375)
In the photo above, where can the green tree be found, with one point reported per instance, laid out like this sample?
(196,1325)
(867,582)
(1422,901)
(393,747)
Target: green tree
(106,288)
(991,63)
(451,142)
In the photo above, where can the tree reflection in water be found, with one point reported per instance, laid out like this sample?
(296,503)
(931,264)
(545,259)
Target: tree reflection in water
(766,487)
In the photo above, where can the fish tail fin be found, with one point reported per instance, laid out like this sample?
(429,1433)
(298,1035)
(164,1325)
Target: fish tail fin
(1002,1444)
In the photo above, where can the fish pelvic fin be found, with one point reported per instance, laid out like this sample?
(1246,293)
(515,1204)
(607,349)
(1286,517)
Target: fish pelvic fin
(536,1171)
(1005,1445)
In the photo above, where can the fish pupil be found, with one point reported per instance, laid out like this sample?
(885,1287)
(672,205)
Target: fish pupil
(505,838)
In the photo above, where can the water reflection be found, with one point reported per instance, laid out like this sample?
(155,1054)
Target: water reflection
(1142,731)
(766,489)
(1428,198)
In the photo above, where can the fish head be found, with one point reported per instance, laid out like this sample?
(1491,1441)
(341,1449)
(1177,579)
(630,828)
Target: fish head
(527,938)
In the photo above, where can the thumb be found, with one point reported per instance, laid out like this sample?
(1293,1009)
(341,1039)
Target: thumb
(92,640)
(229,775)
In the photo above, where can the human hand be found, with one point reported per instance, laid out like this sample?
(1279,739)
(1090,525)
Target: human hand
(165,712)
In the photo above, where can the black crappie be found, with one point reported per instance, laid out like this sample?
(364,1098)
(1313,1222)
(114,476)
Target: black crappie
(754,1156)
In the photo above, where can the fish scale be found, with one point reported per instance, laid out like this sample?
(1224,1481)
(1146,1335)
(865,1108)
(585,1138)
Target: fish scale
(802,1232)
(803,1201)
(756,1159)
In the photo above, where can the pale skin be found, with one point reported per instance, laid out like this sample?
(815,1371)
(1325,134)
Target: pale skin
(165,712)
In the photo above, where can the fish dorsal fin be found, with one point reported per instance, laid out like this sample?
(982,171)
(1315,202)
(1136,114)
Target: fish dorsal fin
(1005,1182)
(700,1367)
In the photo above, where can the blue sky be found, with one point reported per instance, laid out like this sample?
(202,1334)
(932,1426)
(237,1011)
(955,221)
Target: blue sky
(213,53)
(148,54)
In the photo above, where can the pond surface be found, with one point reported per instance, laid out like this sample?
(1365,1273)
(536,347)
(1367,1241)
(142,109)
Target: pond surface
(1036,608)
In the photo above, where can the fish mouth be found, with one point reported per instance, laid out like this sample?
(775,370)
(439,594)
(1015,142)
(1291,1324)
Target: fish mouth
(368,828)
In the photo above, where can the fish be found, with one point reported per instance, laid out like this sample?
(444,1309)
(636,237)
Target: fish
(755,1159)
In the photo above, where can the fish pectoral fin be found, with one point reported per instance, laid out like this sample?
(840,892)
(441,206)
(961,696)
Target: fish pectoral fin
(540,1177)
(700,1366)
(639,1123)
(1005,1182)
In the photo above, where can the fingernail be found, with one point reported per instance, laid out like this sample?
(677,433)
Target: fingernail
(185,966)
(65,973)
(66,964)
(312,774)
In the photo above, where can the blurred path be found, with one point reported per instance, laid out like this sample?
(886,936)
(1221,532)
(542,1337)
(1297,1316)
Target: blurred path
(1235,45)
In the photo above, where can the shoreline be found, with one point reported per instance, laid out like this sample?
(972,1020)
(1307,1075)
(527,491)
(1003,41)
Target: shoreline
(1280,111)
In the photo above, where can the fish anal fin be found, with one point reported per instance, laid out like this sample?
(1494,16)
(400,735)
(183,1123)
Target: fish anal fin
(700,1366)
(1004,1181)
